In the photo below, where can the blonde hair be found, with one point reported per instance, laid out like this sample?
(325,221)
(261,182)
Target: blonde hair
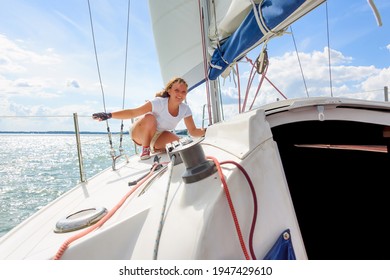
(164,93)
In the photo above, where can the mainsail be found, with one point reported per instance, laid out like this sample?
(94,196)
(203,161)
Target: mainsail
(198,40)
(177,35)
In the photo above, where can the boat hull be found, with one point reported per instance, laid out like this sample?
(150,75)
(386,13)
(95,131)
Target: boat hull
(301,184)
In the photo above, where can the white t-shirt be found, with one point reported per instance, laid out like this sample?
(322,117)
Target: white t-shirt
(165,121)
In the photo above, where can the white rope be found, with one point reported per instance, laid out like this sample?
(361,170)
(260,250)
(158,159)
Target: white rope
(261,23)
(259,18)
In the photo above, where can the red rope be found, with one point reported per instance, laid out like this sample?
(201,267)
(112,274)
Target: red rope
(254,205)
(258,87)
(231,206)
(250,81)
(268,80)
(66,244)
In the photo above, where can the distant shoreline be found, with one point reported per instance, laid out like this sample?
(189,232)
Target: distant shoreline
(178,132)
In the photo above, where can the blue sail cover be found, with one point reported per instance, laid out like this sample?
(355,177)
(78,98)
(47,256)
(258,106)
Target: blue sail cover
(248,33)
(282,249)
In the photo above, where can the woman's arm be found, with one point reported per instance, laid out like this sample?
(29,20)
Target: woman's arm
(132,113)
(192,129)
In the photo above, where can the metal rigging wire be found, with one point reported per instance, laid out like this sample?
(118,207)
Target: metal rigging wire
(299,61)
(112,151)
(329,61)
(96,56)
(330,66)
(127,44)
(114,157)
(124,78)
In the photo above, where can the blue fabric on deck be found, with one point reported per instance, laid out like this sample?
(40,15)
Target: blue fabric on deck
(248,33)
(282,249)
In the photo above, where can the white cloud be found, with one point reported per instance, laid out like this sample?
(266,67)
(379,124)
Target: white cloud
(73,83)
(25,72)
(365,82)
(15,58)
(51,85)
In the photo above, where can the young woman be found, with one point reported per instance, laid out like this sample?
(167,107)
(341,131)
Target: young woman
(161,115)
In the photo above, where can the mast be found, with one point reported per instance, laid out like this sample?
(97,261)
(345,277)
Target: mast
(214,102)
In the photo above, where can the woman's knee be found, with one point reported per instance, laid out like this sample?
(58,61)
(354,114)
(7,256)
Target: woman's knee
(149,122)
(165,138)
(146,123)
(144,128)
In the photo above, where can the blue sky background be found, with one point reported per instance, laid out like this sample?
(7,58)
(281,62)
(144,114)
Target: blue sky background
(48,67)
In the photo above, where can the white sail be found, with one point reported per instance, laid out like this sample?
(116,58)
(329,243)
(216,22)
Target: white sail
(187,32)
(179,47)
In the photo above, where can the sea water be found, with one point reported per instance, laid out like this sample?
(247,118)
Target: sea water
(35,169)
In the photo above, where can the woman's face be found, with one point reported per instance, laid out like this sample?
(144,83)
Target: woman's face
(178,92)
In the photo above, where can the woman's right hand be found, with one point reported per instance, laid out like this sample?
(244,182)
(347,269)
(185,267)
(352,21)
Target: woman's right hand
(101,116)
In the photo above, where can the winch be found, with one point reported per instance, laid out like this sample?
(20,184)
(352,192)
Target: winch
(191,153)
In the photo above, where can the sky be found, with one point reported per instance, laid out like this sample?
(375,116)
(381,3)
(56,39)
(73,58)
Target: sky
(48,69)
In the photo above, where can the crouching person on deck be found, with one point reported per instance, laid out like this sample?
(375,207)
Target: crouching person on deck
(159,116)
